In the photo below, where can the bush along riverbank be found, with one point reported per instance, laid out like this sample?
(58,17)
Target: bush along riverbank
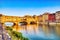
(15,35)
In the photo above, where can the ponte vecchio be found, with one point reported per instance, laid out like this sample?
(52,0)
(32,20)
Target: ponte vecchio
(47,19)
(17,19)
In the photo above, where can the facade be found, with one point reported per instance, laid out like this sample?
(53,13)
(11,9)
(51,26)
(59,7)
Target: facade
(51,17)
(40,18)
(57,16)
(45,18)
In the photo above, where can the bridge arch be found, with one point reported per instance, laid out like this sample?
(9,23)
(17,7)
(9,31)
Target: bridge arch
(22,23)
(10,24)
(32,22)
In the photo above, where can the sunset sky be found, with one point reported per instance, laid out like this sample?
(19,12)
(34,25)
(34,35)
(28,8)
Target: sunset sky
(28,7)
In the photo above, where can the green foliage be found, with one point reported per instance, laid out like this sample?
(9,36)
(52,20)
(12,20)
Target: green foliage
(8,28)
(15,35)
(25,38)
(19,35)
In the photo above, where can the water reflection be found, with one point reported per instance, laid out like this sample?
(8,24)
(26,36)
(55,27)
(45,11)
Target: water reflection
(44,32)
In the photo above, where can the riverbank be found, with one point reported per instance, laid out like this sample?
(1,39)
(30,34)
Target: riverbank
(15,35)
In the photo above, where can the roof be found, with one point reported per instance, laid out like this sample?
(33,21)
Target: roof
(0,14)
(58,12)
(46,13)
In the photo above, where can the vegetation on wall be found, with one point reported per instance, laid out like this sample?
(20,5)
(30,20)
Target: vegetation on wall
(15,35)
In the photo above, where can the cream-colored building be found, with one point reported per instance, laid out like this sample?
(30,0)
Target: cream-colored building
(45,18)
(58,16)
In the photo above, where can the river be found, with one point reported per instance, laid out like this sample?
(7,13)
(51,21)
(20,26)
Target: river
(41,32)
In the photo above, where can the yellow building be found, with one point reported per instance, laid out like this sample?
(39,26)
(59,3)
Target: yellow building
(45,18)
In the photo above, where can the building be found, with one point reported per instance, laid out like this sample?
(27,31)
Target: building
(45,18)
(51,17)
(57,16)
(40,18)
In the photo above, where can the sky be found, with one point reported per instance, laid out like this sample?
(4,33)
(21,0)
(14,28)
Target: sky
(28,7)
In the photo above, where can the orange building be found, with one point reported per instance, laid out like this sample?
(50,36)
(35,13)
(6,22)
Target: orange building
(40,19)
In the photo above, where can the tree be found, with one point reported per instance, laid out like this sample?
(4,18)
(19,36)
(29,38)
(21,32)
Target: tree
(17,34)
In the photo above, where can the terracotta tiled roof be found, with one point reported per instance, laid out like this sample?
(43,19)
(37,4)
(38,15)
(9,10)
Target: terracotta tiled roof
(58,12)
(46,13)
(0,14)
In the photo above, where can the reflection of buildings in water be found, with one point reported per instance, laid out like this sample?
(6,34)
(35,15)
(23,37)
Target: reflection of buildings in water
(32,28)
(58,30)
(18,28)
(58,16)
(46,30)
(52,28)
(24,27)
(36,29)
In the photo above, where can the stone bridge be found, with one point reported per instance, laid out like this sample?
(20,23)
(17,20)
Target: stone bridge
(15,20)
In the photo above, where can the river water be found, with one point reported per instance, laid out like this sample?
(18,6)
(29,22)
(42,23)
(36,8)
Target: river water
(41,32)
